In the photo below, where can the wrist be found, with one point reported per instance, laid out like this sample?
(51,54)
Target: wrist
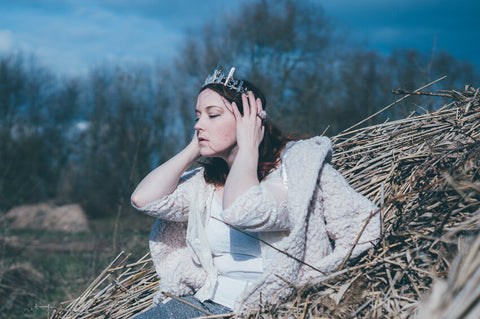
(248,155)
(248,149)
(192,151)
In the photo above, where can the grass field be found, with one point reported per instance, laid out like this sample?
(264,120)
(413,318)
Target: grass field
(41,269)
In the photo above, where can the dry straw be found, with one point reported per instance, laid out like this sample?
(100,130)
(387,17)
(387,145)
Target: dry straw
(423,172)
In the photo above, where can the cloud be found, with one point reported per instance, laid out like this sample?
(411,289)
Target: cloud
(77,38)
(416,24)
(6,41)
(73,36)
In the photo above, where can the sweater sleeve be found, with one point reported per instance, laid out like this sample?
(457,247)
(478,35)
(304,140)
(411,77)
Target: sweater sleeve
(175,206)
(261,208)
(346,213)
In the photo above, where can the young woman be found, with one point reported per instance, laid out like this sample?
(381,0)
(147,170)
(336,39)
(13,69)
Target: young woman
(262,212)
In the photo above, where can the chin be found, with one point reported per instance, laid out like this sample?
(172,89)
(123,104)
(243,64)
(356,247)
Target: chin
(207,153)
(222,152)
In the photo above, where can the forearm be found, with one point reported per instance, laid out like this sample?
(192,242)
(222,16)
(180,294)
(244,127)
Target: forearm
(250,132)
(164,179)
(242,176)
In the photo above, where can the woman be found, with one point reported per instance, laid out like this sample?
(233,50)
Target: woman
(261,213)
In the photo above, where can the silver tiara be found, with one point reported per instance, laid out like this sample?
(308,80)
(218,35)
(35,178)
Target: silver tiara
(227,80)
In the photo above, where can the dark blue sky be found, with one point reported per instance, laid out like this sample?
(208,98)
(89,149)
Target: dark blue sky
(452,26)
(71,36)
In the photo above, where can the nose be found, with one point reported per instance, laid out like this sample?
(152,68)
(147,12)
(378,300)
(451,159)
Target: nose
(198,125)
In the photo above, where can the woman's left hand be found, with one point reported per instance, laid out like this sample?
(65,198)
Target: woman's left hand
(250,130)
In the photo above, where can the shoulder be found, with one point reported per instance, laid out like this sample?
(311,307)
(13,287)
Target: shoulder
(193,176)
(313,144)
(302,161)
(318,147)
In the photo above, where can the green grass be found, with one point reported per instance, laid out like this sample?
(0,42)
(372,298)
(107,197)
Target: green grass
(42,269)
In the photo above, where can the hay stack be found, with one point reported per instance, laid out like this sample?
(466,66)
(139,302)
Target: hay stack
(19,283)
(45,216)
(424,173)
(457,297)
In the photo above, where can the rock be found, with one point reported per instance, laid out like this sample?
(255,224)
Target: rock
(43,216)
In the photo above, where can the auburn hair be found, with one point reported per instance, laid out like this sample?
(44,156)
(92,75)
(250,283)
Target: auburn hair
(269,150)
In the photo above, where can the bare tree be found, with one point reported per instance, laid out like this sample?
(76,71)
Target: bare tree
(312,74)
(92,139)
(27,172)
(284,46)
(124,136)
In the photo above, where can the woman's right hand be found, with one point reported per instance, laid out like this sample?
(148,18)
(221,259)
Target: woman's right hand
(193,145)
(164,179)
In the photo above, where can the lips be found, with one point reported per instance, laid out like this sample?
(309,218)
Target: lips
(201,139)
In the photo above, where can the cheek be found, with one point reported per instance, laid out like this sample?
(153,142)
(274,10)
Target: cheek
(228,132)
(228,135)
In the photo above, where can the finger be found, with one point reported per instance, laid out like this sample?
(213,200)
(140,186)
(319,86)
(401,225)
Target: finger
(259,105)
(235,110)
(246,106)
(253,104)
(258,123)
(261,114)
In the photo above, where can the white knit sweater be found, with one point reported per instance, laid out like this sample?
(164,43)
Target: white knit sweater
(321,209)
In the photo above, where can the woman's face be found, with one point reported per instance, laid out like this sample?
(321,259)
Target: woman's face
(216,125)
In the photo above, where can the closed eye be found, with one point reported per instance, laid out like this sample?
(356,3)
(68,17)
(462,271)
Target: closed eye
(213,116)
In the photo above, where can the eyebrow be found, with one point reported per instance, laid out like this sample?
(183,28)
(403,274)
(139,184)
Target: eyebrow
(208,108)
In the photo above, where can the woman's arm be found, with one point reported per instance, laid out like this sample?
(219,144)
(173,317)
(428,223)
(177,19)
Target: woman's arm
(262,207)
(250,131)
(247,203)
(164,179)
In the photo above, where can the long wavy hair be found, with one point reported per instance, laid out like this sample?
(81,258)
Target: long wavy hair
(216,169)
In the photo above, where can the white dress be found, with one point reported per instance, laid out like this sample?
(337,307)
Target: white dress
(236,256)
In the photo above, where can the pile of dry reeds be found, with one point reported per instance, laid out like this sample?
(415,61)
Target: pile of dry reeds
(423,171)
(457,297)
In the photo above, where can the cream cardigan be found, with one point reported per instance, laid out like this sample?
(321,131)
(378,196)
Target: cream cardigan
(321,209)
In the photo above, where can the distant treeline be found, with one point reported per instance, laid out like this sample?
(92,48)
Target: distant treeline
(90,139)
